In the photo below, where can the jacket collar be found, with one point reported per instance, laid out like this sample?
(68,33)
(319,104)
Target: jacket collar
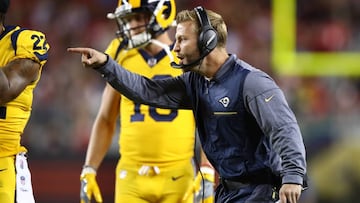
(229,63)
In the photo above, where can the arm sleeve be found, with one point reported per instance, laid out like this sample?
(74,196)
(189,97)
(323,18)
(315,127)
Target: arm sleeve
(268,105)
(163,93)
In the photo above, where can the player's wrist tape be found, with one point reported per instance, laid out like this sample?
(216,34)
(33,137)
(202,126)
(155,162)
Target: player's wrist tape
(88,169)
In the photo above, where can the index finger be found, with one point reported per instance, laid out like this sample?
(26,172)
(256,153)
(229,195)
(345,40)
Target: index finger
(80,50)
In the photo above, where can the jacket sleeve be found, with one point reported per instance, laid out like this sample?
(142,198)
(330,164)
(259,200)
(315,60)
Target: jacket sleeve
(30,44)
(163,93)
(268,105)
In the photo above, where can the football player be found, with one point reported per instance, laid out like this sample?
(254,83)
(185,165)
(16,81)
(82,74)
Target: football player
(24,52)
(156,145)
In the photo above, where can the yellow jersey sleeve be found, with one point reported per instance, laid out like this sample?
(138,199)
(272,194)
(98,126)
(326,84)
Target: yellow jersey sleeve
(30,44)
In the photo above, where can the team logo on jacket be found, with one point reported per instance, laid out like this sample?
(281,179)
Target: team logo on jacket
(225,101)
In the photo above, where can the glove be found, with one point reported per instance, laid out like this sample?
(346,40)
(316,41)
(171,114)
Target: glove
(206,178)
(89,186)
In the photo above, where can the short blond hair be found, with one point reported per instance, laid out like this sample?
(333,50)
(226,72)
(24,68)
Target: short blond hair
(215,19)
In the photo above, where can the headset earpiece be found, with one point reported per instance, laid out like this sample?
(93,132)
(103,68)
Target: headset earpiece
(208,36)
(207,39)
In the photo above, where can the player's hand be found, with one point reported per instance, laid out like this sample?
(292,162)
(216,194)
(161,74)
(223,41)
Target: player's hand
(90,58)
(89,186)
(289,193)
(202,194)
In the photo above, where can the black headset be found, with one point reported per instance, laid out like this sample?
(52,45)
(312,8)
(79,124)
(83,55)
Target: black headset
(207,39)
(208,35)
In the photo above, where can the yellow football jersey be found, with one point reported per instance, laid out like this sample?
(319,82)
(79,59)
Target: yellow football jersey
(16,43)
(152,135)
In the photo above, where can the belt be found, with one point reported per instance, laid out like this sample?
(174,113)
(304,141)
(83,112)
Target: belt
(259,177)
(233,185)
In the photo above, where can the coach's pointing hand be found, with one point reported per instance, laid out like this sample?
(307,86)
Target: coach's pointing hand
(90,58)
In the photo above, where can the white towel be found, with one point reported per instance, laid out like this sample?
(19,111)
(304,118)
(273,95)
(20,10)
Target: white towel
(24,192)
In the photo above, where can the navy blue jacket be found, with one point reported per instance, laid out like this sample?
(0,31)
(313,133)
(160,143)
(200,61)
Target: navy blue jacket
(244,122)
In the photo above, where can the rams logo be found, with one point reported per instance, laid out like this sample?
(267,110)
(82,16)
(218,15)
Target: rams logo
(225,101)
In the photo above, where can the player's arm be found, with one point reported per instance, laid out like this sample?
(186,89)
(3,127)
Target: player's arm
(101,136)
(104,127)
(15,76)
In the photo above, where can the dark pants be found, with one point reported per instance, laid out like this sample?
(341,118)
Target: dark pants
(246,193)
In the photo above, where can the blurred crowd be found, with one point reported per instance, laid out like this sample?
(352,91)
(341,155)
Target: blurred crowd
(328,108)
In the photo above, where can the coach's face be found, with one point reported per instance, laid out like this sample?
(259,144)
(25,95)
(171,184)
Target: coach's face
(185,47)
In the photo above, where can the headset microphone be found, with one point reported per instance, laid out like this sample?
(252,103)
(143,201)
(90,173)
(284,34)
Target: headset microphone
(189,65)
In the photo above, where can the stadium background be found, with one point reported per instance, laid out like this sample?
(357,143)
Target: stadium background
(326,103)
